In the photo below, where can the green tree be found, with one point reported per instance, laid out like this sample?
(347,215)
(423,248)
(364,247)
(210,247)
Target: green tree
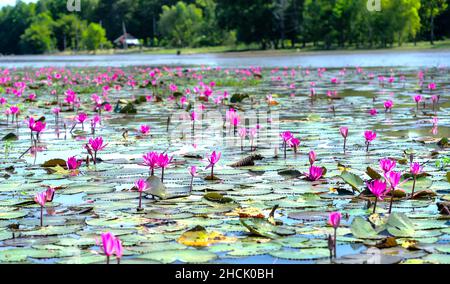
(69,31)
(432,9)
(319,22)
(94,37)
(39,37)
(13,22)
(211,33)
(252,20)
(180,24)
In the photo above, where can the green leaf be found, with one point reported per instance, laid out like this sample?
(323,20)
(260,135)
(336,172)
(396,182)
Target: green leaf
(22,254)
(353,180)
(399,225)
(302,254)
(183,255)
(363,229)
(373,174)
(237,98)
(217,197)
(10,137)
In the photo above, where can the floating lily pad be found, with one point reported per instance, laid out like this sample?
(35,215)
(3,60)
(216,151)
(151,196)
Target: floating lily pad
(183,255)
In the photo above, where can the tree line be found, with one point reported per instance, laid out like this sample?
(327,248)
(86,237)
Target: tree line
(47,26)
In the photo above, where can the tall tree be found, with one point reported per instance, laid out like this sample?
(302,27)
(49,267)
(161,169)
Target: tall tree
(180,24)
(94,36)
(39,37)
(432,9)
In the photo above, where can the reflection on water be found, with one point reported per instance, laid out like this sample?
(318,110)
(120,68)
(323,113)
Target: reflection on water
(313,59)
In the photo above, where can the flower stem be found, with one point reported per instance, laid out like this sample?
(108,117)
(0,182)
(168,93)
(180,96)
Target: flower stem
(375,205)
(42,215)
(335,242)
(414,186)
(140,200)
(390,203)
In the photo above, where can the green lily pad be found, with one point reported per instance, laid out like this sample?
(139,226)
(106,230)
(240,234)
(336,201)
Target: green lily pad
(13,214)
(353,180)
(182,255)
(399,225)
(22,254)
(363,229)
(52,231)
(302,254)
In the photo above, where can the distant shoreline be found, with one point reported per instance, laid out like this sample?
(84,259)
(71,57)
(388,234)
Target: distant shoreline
(251,51)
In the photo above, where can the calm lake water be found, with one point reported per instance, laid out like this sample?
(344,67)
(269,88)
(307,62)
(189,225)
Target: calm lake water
(245,59)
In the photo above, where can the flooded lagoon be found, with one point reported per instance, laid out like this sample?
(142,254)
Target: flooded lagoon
(273,135)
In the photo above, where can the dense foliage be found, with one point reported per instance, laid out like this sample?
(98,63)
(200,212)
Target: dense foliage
(48,26)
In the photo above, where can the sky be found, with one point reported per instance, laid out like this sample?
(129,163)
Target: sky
(13,2)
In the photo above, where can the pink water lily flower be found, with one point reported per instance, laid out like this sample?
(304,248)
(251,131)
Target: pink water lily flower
(387,165)
(294,143)
(108,244)
(14,110)
(315,173)
(379,189)
(144,129)
(56,110)
(417,99)
(151,161)
(286,136)
(141,186)
(334,219)
(118,249)
(213,159)
(163,162)
(415,169)
(50,194)
(388,105)
(432,86)
(370,136)
(242,133)
(394,179)
(81,117)
(193,173)
(193,116)
(312,157)
(39,126)
(95,145)
(73,164)
(344,133)
(41,198)
(373,112)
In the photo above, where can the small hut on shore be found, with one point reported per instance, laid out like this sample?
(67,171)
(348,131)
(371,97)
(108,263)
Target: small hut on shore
(126,40)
